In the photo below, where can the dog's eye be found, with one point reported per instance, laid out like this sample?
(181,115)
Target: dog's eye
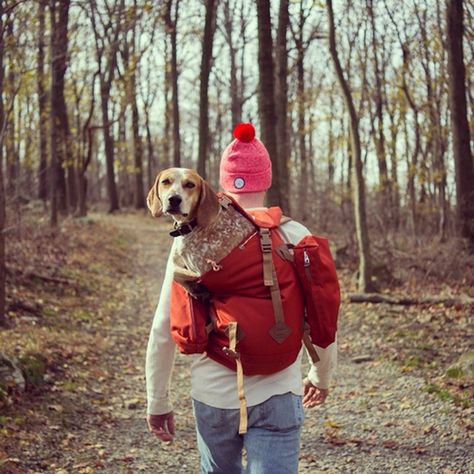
(189,185)
(166,181)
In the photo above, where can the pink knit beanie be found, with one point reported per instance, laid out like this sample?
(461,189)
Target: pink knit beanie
(245,163)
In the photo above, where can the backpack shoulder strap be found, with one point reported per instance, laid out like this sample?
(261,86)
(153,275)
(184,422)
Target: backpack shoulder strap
(280,331)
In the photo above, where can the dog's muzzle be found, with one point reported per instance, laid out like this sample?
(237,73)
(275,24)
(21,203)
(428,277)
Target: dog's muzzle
(174,204)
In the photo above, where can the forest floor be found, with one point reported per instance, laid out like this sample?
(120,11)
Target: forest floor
(89,292)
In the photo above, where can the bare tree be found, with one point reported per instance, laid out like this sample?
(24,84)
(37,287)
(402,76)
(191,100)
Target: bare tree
(281,91)
(437,142)
(2,185)
(85,149)
(172,29)
(42,105)
(459,123)
(59,24)
(131,58)
(235,98)
(107,45)
(302,44)
(377,120)
(206,64)
(365,270)
(12,78)
(268,117)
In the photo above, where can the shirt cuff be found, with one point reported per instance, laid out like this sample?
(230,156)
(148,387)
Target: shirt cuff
(318,379)
(159,406)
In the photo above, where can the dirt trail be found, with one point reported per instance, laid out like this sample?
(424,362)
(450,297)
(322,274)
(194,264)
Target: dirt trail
(376,419)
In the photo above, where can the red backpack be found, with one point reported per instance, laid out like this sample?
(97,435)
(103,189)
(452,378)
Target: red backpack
(270,291)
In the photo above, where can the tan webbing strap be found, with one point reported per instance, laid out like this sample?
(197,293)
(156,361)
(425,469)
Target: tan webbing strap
(266,246)
(310,348)
(240,376)
(276,298)
(279,331)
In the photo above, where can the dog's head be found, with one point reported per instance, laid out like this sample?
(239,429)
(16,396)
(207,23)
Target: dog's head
(183,194)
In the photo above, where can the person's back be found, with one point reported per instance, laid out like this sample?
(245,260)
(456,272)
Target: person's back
(275,401)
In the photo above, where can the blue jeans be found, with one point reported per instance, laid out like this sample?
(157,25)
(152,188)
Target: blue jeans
(272,441)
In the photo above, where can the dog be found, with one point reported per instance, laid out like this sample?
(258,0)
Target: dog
(205,229)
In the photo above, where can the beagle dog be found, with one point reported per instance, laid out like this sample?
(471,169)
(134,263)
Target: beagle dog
(205,230)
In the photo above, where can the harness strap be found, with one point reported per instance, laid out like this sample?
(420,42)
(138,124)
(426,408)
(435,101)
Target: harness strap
(231,352)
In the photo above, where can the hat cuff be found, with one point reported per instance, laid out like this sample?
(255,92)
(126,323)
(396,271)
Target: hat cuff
(240,183)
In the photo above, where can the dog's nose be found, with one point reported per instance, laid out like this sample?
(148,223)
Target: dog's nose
(175,200)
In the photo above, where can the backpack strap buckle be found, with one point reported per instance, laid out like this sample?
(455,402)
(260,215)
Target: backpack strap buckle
(231,353)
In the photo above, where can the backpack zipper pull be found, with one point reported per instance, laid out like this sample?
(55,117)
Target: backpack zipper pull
(306,265)
(306,259)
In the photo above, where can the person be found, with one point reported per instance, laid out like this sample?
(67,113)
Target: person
(275,402)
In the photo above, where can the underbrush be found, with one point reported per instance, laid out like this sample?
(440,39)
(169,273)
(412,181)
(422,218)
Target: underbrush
(409,266)
(426,340)
(61,285)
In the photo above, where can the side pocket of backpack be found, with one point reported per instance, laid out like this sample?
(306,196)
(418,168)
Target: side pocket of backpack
(188,320)
(317,275)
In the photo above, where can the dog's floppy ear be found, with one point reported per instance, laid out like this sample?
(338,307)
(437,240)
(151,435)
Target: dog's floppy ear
(208,206)
(153,200)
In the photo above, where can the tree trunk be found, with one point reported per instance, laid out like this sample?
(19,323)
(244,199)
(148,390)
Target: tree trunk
(235,98)
(106,76)
(166,162)
(42,106)
(59,202)
(67,157)
(330,155)
(364,283)
(59,14)
(12,158)
(109,147)
(301,111)
(171,25)
(282,104)
(151,165)
(268,118)
(206,64)
(137,143)
(85,155)
(436,145)
(378,131)
(3,320)
(459,123)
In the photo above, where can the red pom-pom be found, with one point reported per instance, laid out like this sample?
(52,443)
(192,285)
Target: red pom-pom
(244,132)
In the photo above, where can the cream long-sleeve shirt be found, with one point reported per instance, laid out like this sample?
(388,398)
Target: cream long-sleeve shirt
(213,383)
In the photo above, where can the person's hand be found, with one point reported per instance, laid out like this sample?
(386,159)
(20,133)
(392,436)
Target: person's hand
(162,426)
(313,395)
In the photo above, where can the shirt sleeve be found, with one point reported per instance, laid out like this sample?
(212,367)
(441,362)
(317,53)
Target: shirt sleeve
(321,372)
(160,351)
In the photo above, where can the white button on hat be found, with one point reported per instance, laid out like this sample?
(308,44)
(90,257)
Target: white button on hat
(239,183)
